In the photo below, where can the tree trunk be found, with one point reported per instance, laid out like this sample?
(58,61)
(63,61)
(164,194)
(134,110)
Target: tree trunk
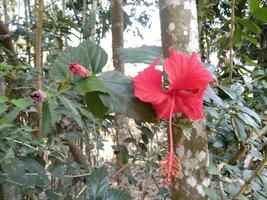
(117,42)
(179,27)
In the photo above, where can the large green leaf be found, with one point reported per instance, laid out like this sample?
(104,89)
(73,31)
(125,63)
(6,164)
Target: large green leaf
(10,116)
(90,84)
(260,13)
(22,103)
(240,128)
(3,99)
(121,99)
(94,104)
(249,112)
(98,184)
(3,108)
(144,54)
(250,25)
(87,54)
(70,110)
(248,120)
(210,94)
(234,91)
(253,4)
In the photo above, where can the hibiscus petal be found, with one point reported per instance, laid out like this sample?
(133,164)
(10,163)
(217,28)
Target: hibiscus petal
(190,106)
(147,85)
(186,73)
(163,109)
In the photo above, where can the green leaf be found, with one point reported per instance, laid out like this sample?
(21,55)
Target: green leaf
(114,194)
(71,111)
(237,37)
(213,169)
(3,108)
(251,62)
(260,13)
(144,54)
(10,116)
(90,84)
(211,95)
(145,130)
(232,188)
(240,128)
(211,111)
(3,99)
(94,104)
(250,39)
(253,4)
(145,139)
(22,103)
(250,25)
(248,120)
(52,104)
(249,112)
(121,98)
(234,91)
(9,155)
(88,54)
(237,88)
(187,130)
(211,193)
(163,191)
(98,184)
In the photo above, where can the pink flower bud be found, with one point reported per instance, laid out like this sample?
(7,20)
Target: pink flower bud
(38,96)
(78,69)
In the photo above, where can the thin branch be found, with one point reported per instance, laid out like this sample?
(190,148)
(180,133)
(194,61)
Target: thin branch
(251,178)
(38,60)
(77,176)
(222,191)
(120,170)
(232,27)
(82,190)
(157,185)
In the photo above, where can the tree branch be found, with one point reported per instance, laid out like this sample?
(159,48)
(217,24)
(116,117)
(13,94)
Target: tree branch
(231,39)
(38,60)
(251,178)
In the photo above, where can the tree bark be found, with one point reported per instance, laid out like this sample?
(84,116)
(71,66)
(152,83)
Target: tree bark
(117,42)
(5,40)
(179,27)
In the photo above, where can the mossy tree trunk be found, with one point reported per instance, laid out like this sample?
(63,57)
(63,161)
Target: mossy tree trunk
(179,26)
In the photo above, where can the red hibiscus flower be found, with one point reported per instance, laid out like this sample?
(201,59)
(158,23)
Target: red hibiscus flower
(78,69)
(187,81)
